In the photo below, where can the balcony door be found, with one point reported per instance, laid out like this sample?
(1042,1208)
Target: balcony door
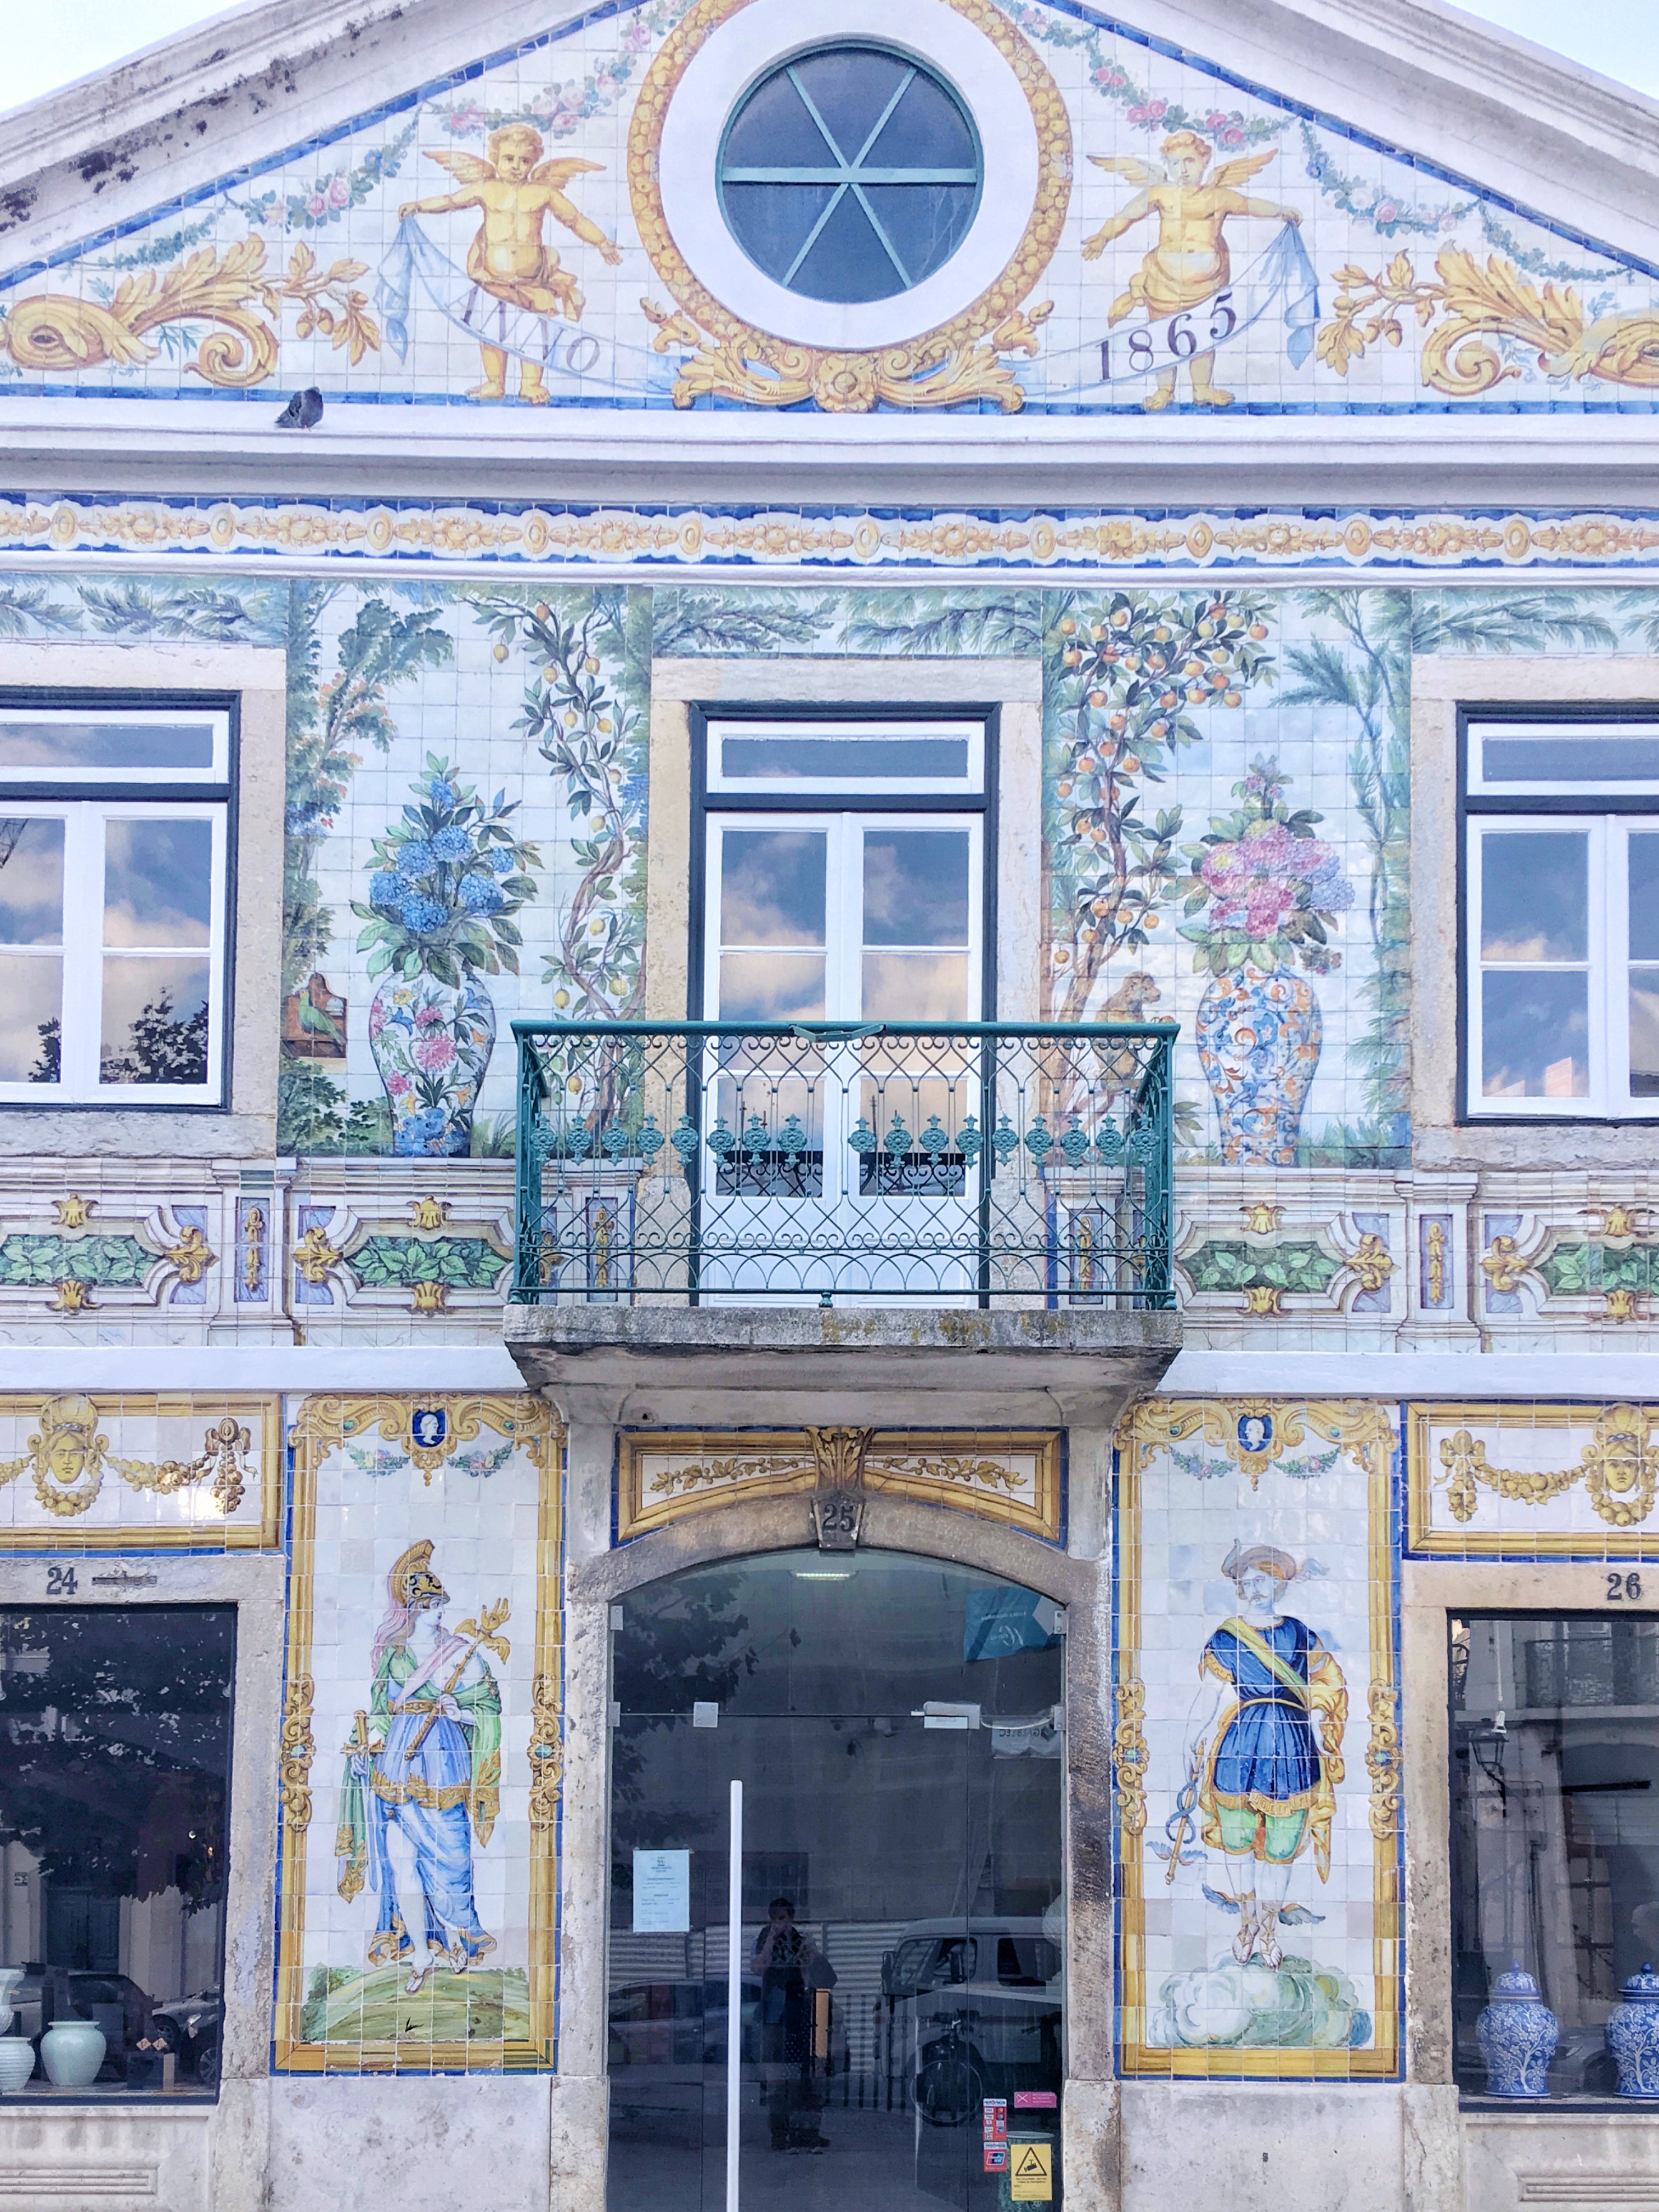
(845,870)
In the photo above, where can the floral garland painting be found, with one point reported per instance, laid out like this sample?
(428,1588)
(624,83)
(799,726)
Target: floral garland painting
(1265,893)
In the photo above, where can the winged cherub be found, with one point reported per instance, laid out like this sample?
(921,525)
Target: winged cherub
(1190,263)
(517,190)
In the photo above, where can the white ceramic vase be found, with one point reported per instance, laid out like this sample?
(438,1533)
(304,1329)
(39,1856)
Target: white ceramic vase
(16,2064)
(9,1977)
(72,2051)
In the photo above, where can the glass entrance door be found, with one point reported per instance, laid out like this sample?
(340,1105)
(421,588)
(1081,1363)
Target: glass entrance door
(896,1723)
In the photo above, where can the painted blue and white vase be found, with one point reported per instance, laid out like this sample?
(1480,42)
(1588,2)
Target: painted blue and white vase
(1518,2034)
(1633,2034)
(432,1044)
(1258,1043)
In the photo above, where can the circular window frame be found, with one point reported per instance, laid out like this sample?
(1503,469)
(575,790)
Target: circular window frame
(924,68)
(711,61)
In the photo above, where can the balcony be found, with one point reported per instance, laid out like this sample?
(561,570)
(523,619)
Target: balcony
(693,1164)
(781,1207)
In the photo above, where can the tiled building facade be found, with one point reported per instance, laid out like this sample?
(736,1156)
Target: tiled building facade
(1243,476)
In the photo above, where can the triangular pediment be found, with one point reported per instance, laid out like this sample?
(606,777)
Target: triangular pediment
(1143,228)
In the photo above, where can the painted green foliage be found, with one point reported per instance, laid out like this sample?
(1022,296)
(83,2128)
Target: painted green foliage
(117,1262)
(1228,1266)
(460,1262)
(1577,1270)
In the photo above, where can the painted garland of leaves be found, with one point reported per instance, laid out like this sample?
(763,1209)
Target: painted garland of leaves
(592,736)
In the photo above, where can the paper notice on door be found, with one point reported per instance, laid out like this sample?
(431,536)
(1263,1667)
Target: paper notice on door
(1031,2172)
(662,1892)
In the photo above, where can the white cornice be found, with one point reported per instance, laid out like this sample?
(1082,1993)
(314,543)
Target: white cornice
(207,448)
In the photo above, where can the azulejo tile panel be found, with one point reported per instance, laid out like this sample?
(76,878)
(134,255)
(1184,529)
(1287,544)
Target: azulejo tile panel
(421,1738)
(1527,1481)
(529,233)
(1016,1479)
(1256,1743)
(136,1473)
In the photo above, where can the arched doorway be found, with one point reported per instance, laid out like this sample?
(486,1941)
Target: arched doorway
(896,1723)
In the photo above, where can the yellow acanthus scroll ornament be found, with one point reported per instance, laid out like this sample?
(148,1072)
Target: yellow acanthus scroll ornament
(1463,305)
(227,287)
(959,360)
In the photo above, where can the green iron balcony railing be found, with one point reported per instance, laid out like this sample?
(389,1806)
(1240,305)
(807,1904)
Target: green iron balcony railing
(988,1163)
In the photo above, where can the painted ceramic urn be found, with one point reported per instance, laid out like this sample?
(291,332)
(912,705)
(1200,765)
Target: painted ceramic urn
(1518,2034)
(1258,1043)
(1633,2034)
(72,2051)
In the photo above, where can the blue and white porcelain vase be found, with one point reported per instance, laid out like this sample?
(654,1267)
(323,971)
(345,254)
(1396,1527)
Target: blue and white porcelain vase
(1518,2034)
(1633,2035)
(1258,1043)
(432,1045)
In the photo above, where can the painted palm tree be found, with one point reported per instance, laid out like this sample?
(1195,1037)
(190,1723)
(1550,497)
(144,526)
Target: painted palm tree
(1365,668)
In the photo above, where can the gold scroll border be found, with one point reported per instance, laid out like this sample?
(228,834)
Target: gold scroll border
(1366,1430)
(1421,1535)
(1000,299)
(69,1535)
(325,1423)
(797,1473)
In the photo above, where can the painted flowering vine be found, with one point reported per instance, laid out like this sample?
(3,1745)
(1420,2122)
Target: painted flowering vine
(592,736)
(1133,669)
(1267,890)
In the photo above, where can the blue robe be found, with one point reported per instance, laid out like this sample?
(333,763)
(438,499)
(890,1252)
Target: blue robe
(1279,1748)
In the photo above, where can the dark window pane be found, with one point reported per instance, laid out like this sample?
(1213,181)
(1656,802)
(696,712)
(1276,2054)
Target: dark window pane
(156,1022)
(1535,1035)
(1534,895)
(916,886)
(773,886)
(1644,1032)
(845,759)
(158,882)
(114,1802)
(850,174)
(1644,880)
(772,222)
(31,1013)
(32,881)
(848,263)
(45,745)
(1557,759)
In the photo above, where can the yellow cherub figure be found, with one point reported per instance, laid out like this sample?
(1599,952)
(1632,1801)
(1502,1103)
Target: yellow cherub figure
(1190,263)
(517,192)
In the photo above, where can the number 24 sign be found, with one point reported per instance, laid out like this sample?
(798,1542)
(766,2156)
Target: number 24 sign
(1180,341)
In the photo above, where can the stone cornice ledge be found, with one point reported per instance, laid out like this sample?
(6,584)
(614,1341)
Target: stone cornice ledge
(950,1350)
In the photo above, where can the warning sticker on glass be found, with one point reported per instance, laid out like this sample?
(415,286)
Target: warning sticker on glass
(1031,2173)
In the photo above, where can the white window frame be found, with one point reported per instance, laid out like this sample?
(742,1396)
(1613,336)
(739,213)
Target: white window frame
(844,899)
(1608,963)
(121,795)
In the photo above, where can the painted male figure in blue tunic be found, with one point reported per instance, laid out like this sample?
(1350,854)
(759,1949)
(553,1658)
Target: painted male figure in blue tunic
(425,1762)
(1264,1743)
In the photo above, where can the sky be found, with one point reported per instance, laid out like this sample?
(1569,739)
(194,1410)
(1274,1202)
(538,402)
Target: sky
(48,46)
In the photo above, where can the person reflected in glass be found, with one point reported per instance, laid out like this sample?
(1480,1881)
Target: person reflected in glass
(792,1970)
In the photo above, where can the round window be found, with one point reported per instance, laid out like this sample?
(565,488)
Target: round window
(850,174)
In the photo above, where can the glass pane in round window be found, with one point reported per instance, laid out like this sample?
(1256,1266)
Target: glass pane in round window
(850,174)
